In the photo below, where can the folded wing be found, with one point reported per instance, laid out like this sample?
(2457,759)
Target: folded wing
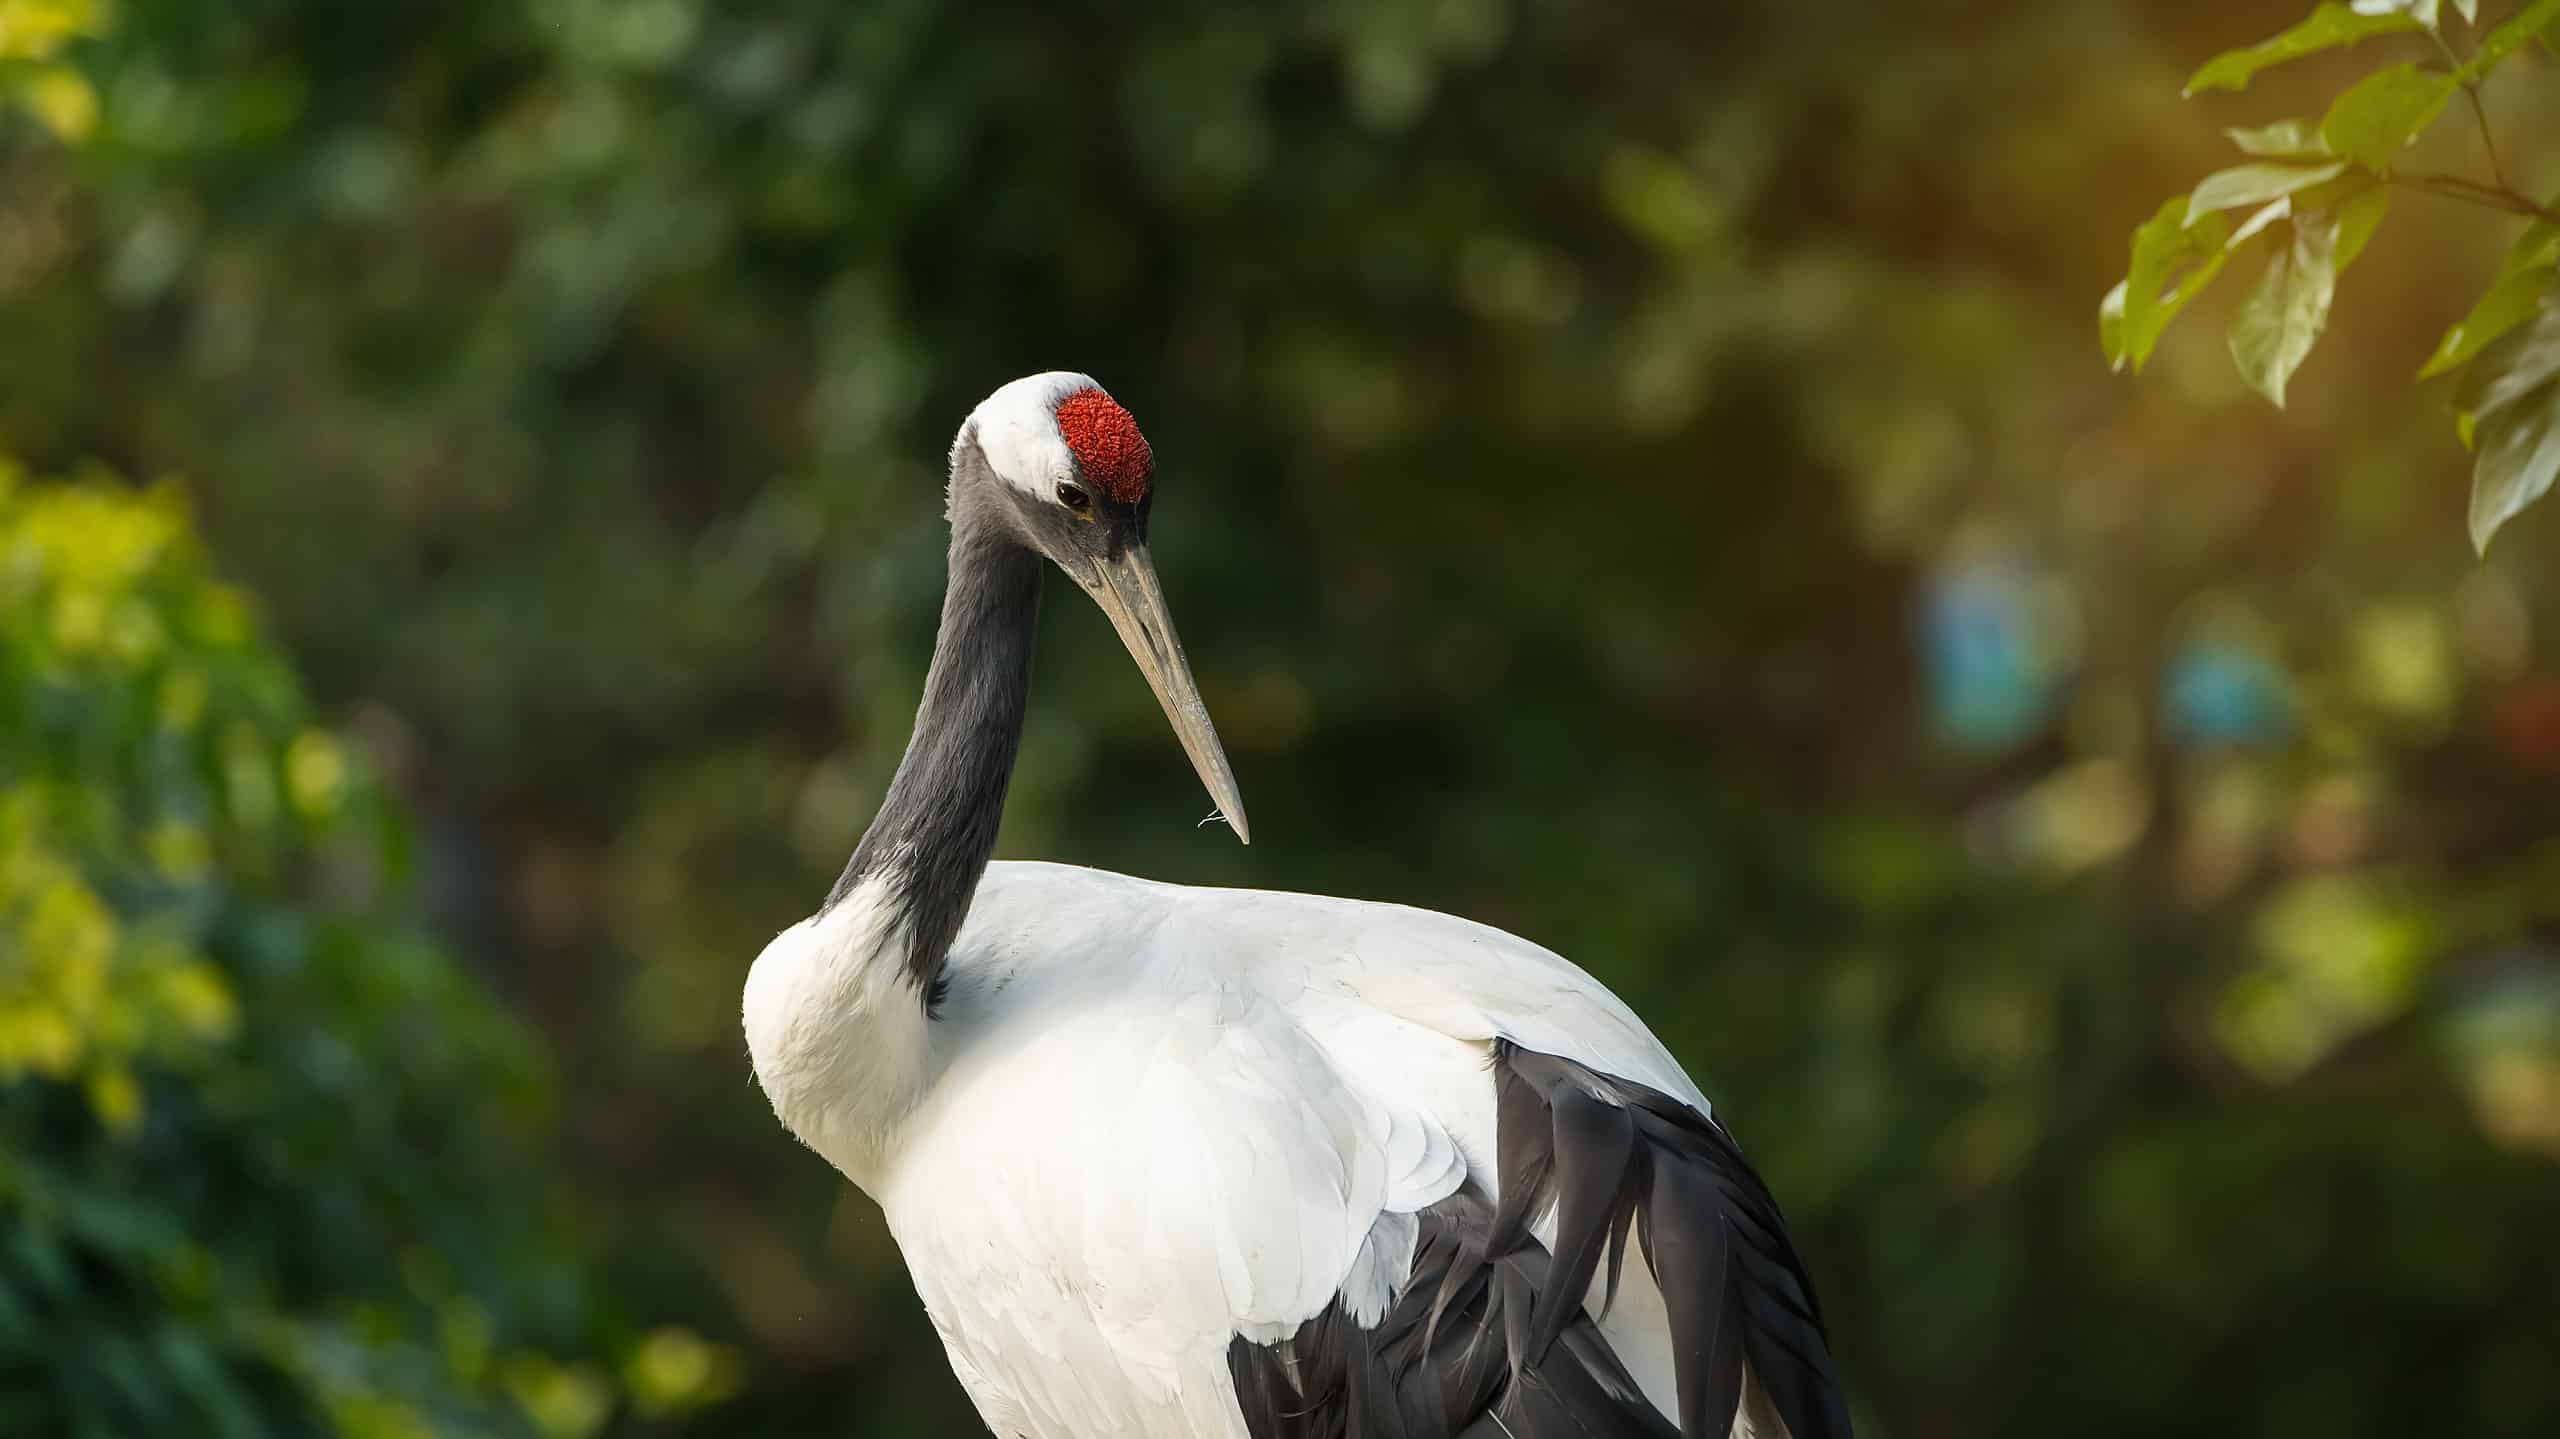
(1519,1312)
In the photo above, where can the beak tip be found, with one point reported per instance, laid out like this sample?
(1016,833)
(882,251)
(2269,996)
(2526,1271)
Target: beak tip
(1125,587)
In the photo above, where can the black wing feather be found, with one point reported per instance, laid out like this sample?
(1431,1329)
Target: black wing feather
(1488,1336)
(1593,1146)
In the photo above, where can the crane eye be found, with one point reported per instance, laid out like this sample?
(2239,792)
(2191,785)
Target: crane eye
(1073,497)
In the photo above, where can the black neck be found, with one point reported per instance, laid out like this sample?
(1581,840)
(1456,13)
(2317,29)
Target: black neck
(937,825)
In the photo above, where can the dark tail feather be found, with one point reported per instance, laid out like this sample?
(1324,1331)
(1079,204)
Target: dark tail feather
(1488,1335)
(1733,1288)
(1593,1147)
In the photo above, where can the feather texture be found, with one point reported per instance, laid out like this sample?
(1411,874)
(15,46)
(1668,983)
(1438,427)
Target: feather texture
(1443,1361)
(1177,1161)
(1491,1332)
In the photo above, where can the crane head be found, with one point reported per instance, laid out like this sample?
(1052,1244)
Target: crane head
(1066,470)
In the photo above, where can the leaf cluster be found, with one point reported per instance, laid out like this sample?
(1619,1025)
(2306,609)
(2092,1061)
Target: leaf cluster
(2317,190)
(262,1150)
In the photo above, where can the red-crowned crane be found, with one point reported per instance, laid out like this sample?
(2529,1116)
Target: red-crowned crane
(1173,1161)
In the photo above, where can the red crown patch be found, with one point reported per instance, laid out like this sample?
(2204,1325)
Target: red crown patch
(1107,446)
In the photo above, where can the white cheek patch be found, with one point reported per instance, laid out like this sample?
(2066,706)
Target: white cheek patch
(1017,429)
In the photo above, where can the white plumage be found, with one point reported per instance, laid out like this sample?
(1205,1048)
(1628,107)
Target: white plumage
(1151,1118)
(1147,1144)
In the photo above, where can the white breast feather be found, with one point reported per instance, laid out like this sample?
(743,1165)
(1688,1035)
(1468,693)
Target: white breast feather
(836,1028)
(1160,1118)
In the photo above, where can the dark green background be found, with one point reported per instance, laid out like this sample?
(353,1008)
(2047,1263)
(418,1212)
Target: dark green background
(1641,475)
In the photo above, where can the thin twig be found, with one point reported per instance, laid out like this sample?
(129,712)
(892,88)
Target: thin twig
(2489,143)
(2479,111)
(2495,197)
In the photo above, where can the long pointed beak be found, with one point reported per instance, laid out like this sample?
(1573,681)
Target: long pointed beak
(1125,586)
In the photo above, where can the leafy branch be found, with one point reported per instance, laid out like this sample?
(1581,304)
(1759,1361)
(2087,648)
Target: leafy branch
(2317,192)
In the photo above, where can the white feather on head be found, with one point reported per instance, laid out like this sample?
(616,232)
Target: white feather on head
(1017,430)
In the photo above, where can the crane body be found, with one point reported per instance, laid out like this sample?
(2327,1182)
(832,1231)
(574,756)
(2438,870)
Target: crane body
(1171,1161)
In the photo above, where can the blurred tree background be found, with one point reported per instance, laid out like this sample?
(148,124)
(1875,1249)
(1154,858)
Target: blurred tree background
(1643,476)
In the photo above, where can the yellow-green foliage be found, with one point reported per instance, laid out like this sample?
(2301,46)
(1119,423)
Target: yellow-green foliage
(264,1155)
(89,597)
(33,35)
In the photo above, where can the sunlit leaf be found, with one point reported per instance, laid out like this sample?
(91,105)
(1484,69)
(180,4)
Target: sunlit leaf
(2255,184)
(2540,18)
(2514,366)
(2519,457)
(2358,217)
(2172,263)
(2283,317)
(2331,26)
(2376,119)
(2283,140)
(2538,245)
(2267,215)
(2508,402)
(2422,11)
(2509,303)
(2111,326)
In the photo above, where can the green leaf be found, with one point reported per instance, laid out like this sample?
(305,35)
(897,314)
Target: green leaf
(2422,11)
(2282,318)
(2509,303)
(2335,194)
(2358,217)
(2534,19)
(2283,140)
(2376,119)
(2111,326)
(2519,458)
(2267,215)
(2330,26)
(2538,245)
(2511,367)
(2172,263)
(2255,184)
(2356,198)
